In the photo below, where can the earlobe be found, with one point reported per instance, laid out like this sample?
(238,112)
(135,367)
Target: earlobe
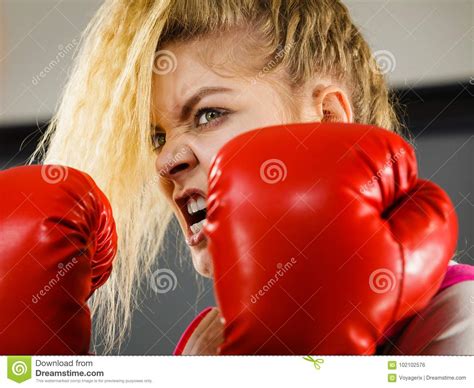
(332,105)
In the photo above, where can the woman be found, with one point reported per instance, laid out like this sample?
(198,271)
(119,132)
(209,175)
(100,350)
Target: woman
(191,75)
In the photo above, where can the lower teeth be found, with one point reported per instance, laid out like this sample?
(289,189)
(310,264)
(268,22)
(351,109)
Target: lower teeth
(195,228)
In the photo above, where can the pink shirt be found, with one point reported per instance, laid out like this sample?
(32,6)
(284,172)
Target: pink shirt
(455,275)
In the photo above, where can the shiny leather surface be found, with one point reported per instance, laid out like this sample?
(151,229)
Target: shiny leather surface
(57,243)
(322,237)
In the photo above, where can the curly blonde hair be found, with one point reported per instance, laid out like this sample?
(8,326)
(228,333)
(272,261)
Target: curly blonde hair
(102,125)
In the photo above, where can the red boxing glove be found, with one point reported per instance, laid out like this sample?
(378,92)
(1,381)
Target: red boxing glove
(322,237)
(57,244)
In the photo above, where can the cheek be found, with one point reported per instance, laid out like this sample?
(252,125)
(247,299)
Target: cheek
(207,145)
(268,110)
(166,187)
(257,115)
(271,113)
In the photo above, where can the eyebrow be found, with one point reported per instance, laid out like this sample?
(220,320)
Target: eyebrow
(192,101)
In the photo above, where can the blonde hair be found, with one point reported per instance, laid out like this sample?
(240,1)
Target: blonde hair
(103,121)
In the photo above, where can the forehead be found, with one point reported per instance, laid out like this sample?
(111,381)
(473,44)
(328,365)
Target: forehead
(185,69)
(214,61)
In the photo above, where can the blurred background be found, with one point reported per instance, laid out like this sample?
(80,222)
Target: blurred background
(425,48)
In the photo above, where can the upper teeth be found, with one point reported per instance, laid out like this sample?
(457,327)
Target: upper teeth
(196,204)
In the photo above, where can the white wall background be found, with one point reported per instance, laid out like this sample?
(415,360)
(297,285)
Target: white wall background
(429,42)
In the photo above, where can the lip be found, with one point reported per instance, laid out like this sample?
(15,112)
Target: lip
(195,239)
(181,202)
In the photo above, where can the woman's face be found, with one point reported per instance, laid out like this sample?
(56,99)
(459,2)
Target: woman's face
(196,110)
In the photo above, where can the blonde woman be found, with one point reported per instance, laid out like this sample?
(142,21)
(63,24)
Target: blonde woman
(159,86)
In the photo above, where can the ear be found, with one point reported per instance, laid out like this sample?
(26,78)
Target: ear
(332,105)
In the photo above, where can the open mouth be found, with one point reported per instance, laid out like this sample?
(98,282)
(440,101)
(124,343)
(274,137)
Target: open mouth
(193,209)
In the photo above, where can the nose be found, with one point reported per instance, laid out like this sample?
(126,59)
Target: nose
(173,163)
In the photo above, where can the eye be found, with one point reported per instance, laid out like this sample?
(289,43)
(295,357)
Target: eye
(206,116)
(158,140)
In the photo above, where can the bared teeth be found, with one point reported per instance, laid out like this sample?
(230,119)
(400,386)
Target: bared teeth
(201,203)
(191,206)
(196,228)
(196,204)
(196,207)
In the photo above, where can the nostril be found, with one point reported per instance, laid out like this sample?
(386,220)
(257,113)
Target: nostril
(178,168)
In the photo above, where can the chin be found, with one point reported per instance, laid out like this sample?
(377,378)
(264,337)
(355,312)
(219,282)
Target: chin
(202,260)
